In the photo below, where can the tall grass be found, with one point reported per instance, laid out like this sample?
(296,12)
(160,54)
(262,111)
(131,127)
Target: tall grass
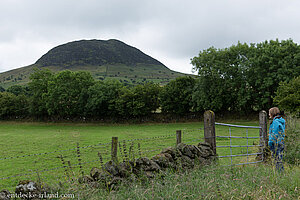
(292,141)
(210,182)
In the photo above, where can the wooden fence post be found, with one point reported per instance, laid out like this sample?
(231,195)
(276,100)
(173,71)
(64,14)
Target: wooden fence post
(114,149)
(209,129)
(178,137)
(263,123)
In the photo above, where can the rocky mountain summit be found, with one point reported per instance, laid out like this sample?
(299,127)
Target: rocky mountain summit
(96,53)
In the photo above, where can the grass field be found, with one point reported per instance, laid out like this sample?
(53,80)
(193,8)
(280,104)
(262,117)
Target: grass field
(21,141)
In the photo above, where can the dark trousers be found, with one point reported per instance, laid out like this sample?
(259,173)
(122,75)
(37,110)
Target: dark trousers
(277,154)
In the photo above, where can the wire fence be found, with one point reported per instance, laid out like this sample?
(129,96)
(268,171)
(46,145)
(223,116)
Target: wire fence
(53,165)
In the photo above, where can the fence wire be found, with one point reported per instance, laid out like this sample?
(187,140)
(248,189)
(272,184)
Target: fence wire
(192,136)
(52,152)
(102,145)
(49,169)
(150,138)
(189,136)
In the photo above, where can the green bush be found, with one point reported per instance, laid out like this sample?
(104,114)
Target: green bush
(2,89)
(18,90)
(176,96)
(292,141)
(102,98)
(67,93)
(12,105)
(288,96)
(140,100)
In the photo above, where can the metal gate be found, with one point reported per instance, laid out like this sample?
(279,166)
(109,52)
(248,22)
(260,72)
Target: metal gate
(232,137)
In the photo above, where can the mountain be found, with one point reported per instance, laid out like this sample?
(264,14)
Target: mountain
(95,52)
(104,59)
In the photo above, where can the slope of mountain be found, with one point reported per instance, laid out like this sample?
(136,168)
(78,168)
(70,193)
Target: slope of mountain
(105,59)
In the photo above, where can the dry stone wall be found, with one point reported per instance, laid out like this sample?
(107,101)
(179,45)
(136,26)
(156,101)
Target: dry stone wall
(180,157)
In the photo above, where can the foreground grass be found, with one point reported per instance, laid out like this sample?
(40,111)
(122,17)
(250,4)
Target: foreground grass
(20,139)
(210,182)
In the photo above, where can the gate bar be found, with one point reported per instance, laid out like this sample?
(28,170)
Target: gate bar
(233,125)
(251,154)
(243,163)
(237,137)
(240,146)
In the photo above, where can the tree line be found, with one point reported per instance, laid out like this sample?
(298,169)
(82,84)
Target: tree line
(242,78)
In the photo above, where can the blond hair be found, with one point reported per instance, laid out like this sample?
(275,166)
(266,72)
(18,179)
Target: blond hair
(274,111)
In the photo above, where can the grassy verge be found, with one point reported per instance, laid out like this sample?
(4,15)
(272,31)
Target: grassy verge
(210,182)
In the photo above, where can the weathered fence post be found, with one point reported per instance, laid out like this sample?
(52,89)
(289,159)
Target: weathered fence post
(114,149)
(209,129)
(178,137)
(263,123)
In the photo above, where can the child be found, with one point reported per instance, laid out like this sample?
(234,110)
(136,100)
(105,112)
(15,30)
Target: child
(276,137)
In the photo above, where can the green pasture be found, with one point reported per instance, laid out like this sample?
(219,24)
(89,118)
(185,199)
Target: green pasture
(49,141)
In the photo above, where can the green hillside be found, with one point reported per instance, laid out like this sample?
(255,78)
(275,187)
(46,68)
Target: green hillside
(105,59)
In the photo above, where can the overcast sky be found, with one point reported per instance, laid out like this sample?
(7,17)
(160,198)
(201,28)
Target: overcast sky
(172,31)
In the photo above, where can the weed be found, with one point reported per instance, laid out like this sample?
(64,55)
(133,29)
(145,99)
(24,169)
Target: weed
(79,159)
(292,141)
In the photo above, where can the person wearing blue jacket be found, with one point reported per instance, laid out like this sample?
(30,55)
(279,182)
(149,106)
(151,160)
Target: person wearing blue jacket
(276,137)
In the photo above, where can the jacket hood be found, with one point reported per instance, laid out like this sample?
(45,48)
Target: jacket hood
(279,120)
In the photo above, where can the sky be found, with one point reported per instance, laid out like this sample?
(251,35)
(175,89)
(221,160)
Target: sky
(171,31)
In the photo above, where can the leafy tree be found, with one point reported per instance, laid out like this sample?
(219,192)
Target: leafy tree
(140,100)
(288,96)
(176,96)
(2,89)
(269,64)
(222,84)
(208,94)
(102,97)
(67,93)
(124,103)
(38,87)
(244,77)
(18,90)
(12,105)
(146,98)
(7,104)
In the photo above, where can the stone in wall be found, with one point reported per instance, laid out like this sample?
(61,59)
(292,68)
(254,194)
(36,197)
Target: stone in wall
(5,195)
(27,189)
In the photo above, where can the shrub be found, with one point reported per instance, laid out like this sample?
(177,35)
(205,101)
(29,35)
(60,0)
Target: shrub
(288,96)
(176,96)
(12,105)
(292,141)
(137,101)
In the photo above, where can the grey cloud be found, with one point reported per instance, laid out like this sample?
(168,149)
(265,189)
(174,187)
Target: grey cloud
(167,30)
(226,25)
